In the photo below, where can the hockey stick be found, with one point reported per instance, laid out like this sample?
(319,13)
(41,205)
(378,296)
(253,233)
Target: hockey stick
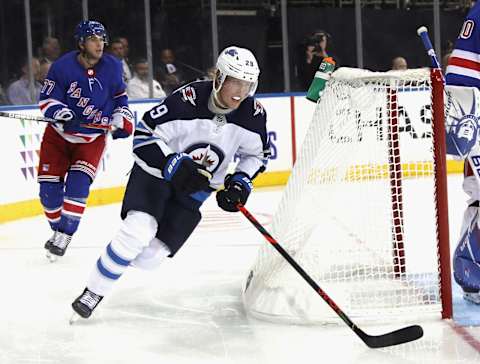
(423,34)
(12,115)
(400,336)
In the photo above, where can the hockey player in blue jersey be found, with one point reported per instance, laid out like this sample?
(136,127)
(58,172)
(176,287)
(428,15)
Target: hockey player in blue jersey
(182,149)
(462,70)
(83,88)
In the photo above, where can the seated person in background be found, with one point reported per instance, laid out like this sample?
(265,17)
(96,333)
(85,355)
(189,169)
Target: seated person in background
(44,68)
(117,49)
(18,93)
(399,64)
(137,87)
(171,77)
(445,59)
(50,50)
(211,71)
(3,97)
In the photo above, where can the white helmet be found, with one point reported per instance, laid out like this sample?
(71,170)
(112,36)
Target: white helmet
(239,63)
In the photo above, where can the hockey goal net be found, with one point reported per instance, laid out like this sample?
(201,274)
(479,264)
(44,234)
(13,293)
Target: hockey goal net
(364,211)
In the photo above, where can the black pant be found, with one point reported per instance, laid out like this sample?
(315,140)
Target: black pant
(176,215)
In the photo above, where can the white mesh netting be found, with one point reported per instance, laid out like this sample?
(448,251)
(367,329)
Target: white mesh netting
(358,211)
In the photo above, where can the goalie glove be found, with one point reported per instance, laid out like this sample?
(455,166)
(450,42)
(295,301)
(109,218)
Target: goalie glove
(122,122)
(237,189)
(185,175)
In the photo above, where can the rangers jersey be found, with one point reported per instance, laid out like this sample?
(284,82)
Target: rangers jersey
(183,122)
(93,94)
(464,63)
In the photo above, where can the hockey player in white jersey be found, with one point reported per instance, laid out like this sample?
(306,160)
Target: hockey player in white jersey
(182,149)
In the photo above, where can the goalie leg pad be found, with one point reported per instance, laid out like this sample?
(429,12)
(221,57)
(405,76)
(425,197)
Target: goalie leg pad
(77,188)
(136,232)
(466,259)
(51,197)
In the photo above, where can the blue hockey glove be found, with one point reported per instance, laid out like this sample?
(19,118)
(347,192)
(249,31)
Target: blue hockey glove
(185,175)
(237,189)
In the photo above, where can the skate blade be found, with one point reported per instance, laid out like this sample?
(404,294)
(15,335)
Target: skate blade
(52,258)
(74,318)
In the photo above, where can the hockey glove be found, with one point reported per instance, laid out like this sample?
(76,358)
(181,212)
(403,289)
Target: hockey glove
(237,189)
(122,122)
(185,175)
(67,120)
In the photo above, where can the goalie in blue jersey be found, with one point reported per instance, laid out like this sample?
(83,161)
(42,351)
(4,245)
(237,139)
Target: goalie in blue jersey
(462,140)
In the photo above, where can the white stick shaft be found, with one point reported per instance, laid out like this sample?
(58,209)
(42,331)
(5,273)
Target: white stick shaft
(12,115)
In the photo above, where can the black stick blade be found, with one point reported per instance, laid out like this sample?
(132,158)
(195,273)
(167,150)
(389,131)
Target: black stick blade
(397,337)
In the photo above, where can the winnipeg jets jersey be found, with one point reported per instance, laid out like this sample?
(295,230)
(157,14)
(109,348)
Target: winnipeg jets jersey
(464,63)
(93,94)
(184,123)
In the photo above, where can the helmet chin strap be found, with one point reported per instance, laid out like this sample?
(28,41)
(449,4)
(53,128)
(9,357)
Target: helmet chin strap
(215,105)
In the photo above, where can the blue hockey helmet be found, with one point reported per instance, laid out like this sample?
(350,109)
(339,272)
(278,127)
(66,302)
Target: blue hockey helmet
(88,28)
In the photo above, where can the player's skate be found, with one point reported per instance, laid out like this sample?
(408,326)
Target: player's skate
(85,304)
(47,247)
(49,242)
(472,296)
(57,245)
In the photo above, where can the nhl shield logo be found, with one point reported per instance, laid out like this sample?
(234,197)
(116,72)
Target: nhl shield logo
(189,94)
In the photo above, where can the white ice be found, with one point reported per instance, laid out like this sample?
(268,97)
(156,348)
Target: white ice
(189,310)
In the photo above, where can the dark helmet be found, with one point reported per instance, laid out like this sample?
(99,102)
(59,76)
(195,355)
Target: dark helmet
(88,28)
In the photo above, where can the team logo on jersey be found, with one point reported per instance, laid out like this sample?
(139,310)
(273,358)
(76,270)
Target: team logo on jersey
(462,134)
(258,107)
(189,94)
(209,155)
(91,72)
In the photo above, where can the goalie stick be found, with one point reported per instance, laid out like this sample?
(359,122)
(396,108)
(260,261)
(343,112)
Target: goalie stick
(396,337)
(12,115)
(423,34)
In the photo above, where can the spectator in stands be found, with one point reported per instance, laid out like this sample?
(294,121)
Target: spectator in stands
(314,50)
(44,68)
(18,93)
(171,76)
(126,48)
(117,49)
(211,71)
(445,60)
(50,50)
(3,97)
(399,64)
(138,86)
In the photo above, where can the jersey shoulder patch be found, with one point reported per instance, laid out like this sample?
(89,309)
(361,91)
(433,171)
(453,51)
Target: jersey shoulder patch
(258,108)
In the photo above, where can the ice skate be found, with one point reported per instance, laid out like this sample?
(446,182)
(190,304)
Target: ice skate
(48,245)
(58,245)
(85,304)
(473,297)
